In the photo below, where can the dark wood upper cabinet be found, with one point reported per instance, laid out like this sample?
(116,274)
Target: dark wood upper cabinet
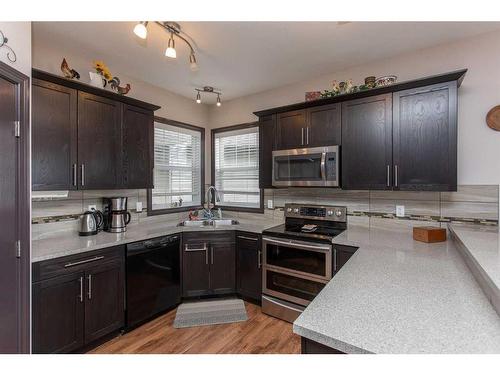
(267,128)
(99,142)
(105,298)
(137,147)
(58,310)
(425,138)
(324,125)
(366,154)
(291,130)
(54,136)
(248,265)
(89,138)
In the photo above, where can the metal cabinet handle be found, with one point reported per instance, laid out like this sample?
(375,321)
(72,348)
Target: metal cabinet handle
(388,175)
(194,249)
(75,177)
(81,289)
(211,255)
(83,174)
(89,294)
(248,238)
(89,278)
(302,131)
(396,173)
(307,135)
(259,259)
(206,255)
(83,261)
(334,259)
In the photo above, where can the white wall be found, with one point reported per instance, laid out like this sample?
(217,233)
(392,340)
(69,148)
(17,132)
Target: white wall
(19,35)
(478,146)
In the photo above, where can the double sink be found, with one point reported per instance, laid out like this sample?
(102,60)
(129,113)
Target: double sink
(208,223)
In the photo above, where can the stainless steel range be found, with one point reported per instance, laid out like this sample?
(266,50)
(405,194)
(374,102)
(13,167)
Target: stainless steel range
(298,258)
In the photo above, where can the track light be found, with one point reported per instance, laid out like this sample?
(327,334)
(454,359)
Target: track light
(218,100)
(198,98)
(170,51)
(192,62)
(208,90)
(141,29)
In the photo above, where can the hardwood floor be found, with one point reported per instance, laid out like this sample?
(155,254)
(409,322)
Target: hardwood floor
(260,334)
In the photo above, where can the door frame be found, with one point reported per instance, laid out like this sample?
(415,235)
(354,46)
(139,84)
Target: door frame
(22,83)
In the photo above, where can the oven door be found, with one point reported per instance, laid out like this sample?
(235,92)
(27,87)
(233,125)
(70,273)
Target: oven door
(306,259)
(316,166)
(290,287)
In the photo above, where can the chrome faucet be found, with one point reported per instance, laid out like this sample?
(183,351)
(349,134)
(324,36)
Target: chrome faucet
(211,193)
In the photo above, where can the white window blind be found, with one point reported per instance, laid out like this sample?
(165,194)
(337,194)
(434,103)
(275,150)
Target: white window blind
(177,170)
(237,167)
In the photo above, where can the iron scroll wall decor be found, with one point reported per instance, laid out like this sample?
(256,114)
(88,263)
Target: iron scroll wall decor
(11,55)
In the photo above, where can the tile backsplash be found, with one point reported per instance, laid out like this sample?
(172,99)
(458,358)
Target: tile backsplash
(471,203)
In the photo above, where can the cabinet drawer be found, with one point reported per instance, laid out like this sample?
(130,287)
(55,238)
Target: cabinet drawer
(208,237)
(75,263)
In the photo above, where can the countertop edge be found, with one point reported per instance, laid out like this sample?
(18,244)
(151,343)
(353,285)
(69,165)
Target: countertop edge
(489,287)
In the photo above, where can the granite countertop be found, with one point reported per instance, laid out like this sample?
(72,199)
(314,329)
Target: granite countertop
(67,242)
(396,295)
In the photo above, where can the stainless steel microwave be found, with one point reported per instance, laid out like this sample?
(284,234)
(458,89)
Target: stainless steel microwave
(316,166)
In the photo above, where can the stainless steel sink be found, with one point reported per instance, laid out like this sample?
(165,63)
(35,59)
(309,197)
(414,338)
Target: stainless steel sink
(207,223)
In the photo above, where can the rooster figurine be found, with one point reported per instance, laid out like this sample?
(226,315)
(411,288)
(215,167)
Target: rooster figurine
(115,85)
(67,71)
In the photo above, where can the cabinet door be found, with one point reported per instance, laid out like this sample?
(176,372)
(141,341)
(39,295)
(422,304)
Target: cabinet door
(425,138)
(248,265)
(99,142)
(367,143)
(324,125)
(104,299)
(341,255)
(195,269)
(58,306)
(290,129)
(137,155)
(222,268)
(54,136)
(267,144)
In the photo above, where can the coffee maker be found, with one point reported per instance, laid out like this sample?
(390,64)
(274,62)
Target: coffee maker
(116,216)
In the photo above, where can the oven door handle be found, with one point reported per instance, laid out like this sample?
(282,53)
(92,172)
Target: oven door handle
(297,244)
(323,166)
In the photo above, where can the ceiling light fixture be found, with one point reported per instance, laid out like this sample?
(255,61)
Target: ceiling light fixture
(208,90)
(141,29)
(174,29)
(170,51)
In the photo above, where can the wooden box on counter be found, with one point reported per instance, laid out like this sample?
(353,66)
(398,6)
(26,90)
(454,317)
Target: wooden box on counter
(429,234)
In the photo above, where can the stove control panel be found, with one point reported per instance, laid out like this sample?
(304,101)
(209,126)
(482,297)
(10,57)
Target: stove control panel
(330,213)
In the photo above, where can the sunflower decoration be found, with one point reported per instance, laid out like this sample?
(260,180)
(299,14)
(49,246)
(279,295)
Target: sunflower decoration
(102,69)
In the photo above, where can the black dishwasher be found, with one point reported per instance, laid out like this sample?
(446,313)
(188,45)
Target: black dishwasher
(153,278)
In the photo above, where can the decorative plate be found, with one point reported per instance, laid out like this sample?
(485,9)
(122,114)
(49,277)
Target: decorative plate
(493,118)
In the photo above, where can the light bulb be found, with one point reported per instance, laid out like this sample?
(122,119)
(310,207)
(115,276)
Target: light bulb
(192,62)
(141,30)
(170,51)
(198,98)
(218,101)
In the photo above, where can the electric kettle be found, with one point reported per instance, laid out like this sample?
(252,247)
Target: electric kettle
(90,223)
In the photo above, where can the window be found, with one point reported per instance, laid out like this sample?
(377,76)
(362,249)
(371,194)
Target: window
(178,167)
(235,155)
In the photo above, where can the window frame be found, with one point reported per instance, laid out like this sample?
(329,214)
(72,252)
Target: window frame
(212,162)
(182,125)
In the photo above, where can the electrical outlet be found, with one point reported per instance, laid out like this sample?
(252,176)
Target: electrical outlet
(92,207)
(138,206)
(400,211)
(270,204)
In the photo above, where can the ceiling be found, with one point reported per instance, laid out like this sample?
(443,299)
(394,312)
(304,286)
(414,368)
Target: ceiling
(242,58)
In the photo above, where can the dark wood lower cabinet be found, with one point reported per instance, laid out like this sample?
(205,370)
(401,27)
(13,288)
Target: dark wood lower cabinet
(342,255)
(208,264)
(248,265)
(58,311)
(78,300)
(312,347)
(104,300)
